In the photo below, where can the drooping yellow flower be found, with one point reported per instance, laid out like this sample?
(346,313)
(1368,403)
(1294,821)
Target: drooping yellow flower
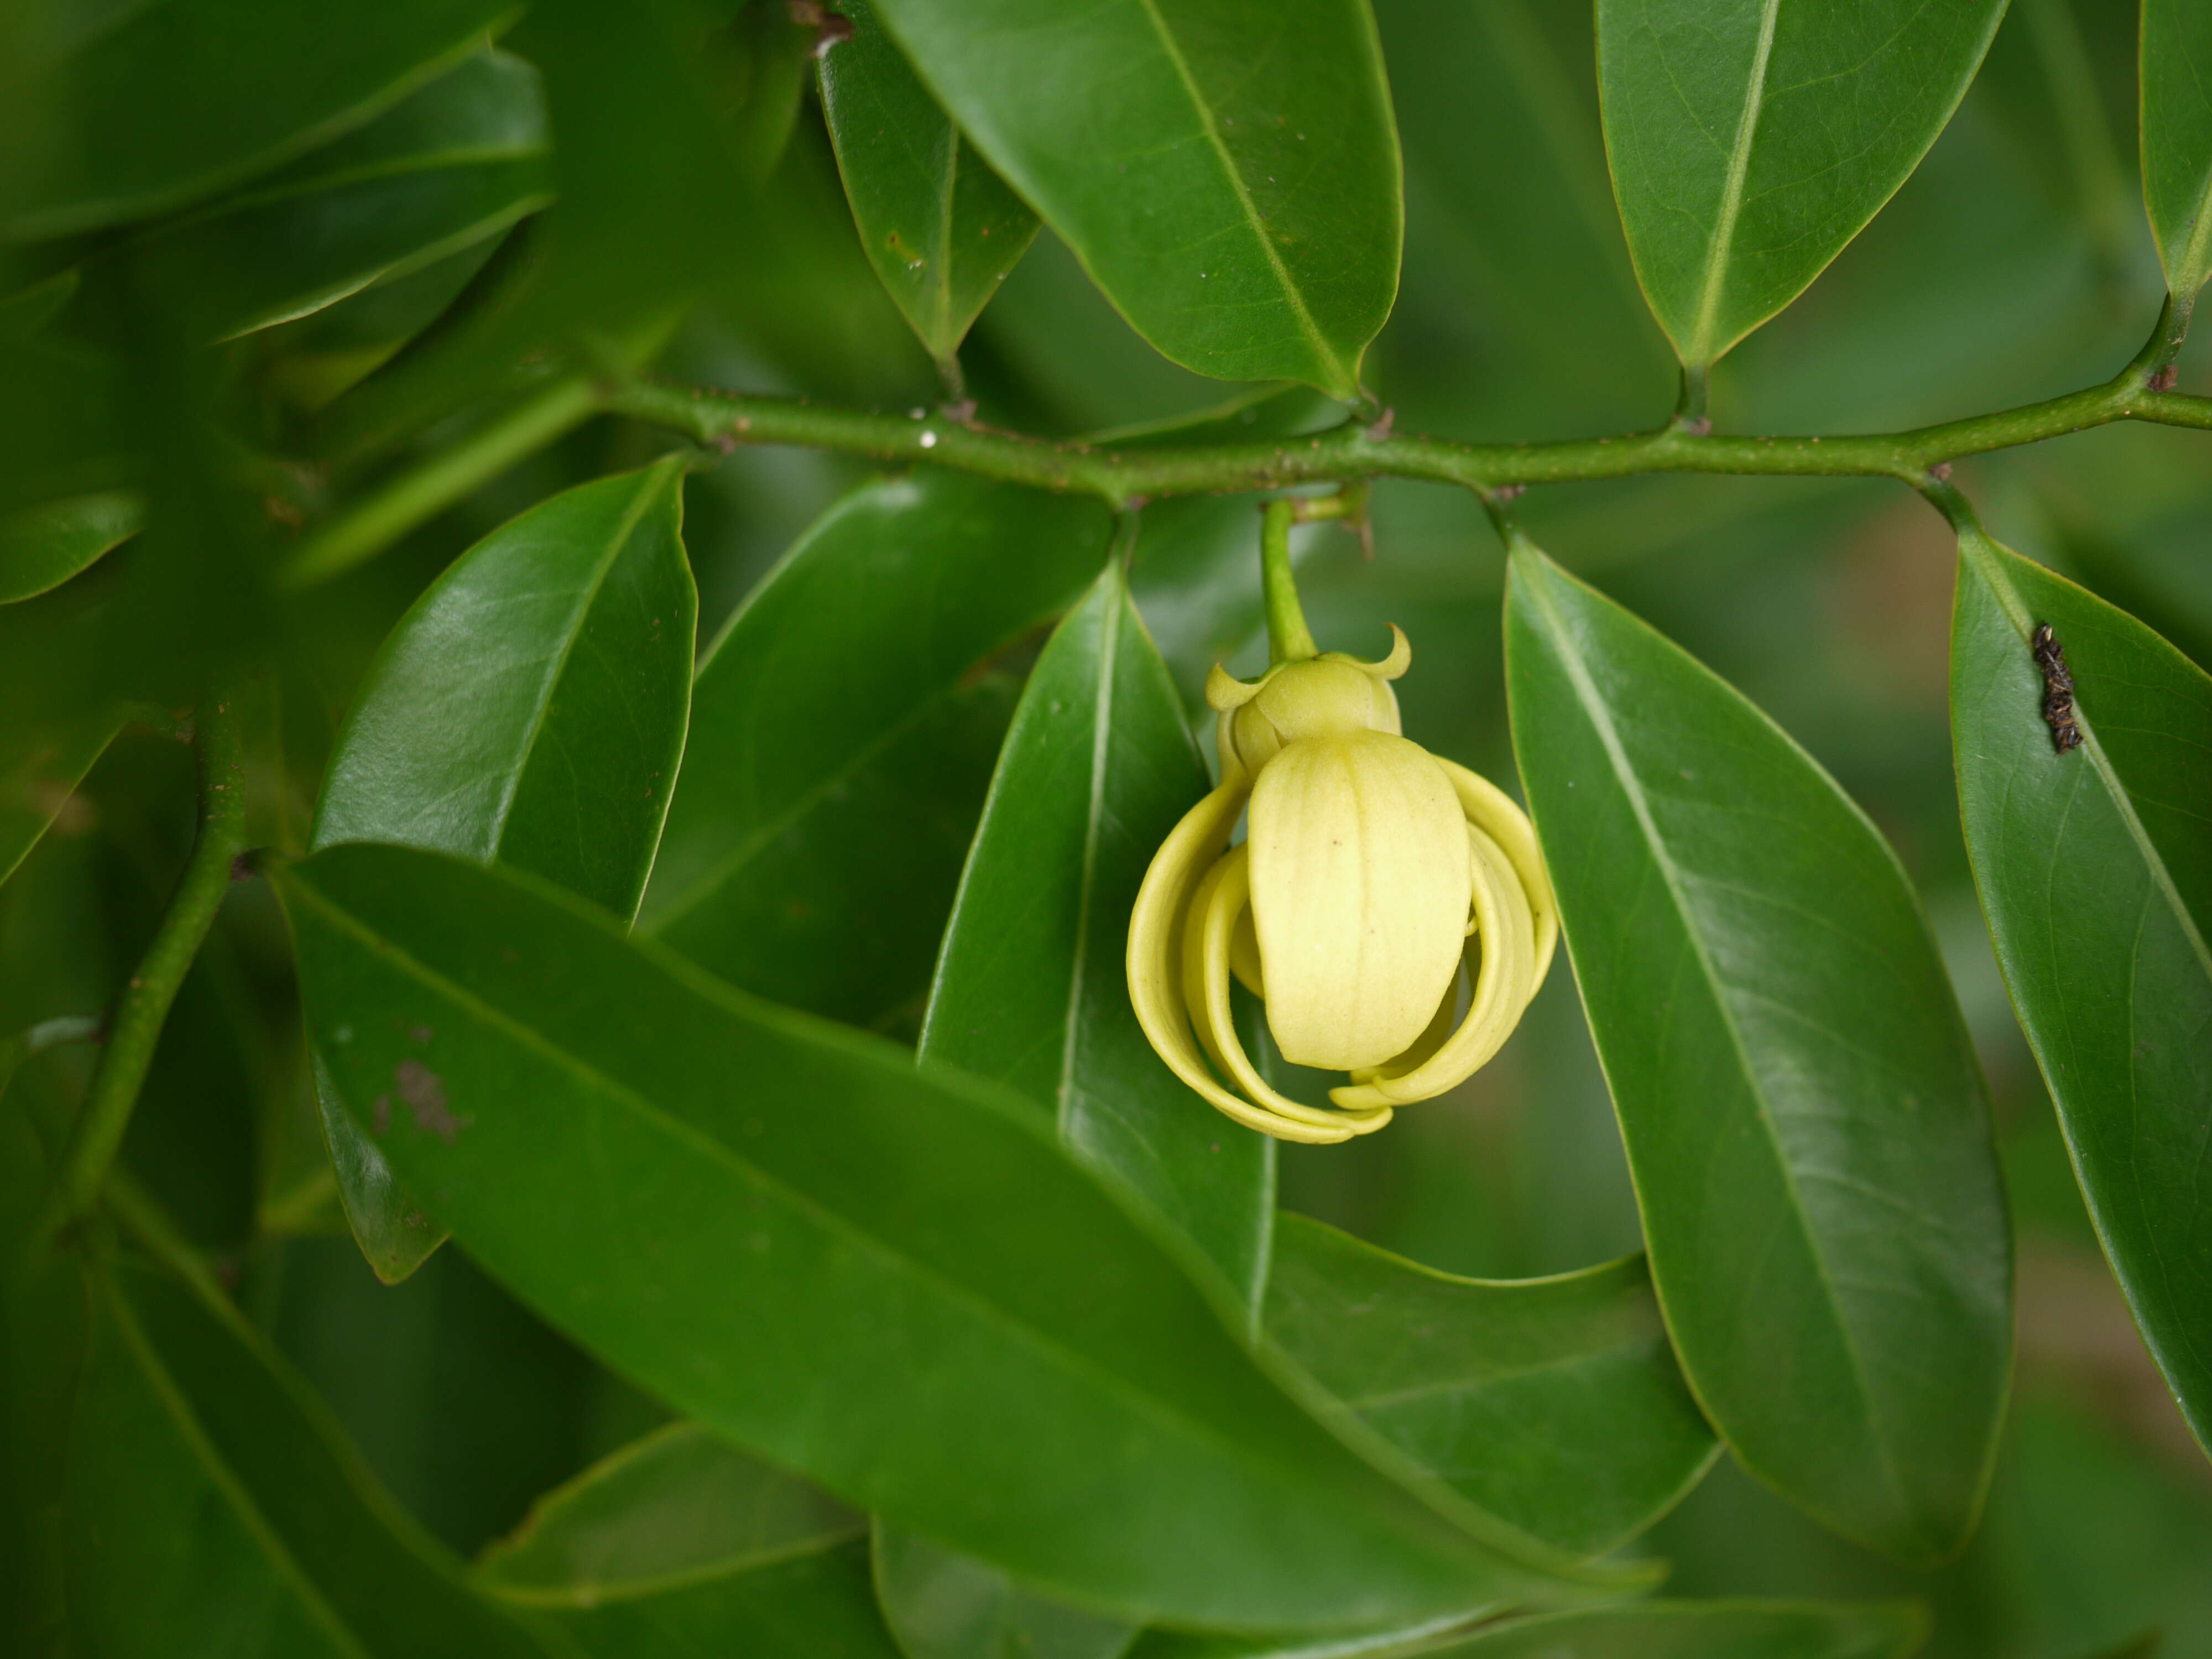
(1370,871)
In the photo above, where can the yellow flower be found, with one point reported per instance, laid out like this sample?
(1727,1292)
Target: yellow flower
(1371,870)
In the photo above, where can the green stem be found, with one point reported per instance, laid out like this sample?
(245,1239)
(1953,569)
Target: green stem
(1348,453)
(1289,639)
(143,1006)
(380,518)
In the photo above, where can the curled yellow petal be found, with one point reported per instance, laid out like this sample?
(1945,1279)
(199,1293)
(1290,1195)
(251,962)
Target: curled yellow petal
(1502,956)
(1155,937)
(1492,811)
(1360,885)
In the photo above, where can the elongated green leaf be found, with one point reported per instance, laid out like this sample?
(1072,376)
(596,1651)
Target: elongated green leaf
(168,103)
(840,745)
(530,709)
(2095,870)
(1227,170)
(1646,1629)
(884,1277)
(212,1510)
(675,1507)
(42,547)
(1554,1403)
(678,1545)
(1032,989)
(1805,1120)
(453,163)
(1751,142)
(940,227)
(41,764)
(2177,138)
(941,1605)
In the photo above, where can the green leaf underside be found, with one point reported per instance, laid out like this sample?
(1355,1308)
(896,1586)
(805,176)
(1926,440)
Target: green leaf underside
(940,227)
(1033,989)
(1750,143)
(674,1508)
(1804,1117)
(940,1605)
(174,101)
(817,1604)
(211,1509)
(882,1277)
(1646,1629)
(842,744)
(41,764)
(1233,186)
(42,547)
(1553,1403)
(530,709)
(2095,871)
(450,165)
(2177,138)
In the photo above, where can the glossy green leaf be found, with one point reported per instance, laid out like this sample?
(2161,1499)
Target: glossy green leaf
(455,163)
(1644,1630)
(164,104)
(211,1508)
(1751,142)
(2095,872)
(677,1546)
(41,764)
(940,227)
(42,547)
(675,1507)
(2177,138)
(1804,1116)
(1227,170)
(886,1277)
(840,742)
(941,1605)
(1555,1403)
(1032,989)
(530,709)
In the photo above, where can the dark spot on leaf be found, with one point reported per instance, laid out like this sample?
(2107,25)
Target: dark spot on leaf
(379,1114)
(424,1091)
(420,1033)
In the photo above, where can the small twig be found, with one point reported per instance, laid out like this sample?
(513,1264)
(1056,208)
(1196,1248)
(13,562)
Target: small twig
(136,1026)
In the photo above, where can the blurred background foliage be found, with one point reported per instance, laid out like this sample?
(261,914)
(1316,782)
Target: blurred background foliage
(2014,265)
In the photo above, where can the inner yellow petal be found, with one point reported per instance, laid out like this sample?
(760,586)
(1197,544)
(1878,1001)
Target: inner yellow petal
(1360,885)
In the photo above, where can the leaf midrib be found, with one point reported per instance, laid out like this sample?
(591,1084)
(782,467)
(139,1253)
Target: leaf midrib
(1600,716)
(1145,1406)
(1307,326)
(1717,250)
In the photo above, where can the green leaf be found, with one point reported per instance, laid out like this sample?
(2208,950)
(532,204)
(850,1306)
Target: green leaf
(1031,990)
(2095,873)
(2177,138)
(1553,1403)
(42,547)
(456,162)
(678,1545)
(941,1605)
(1646,1629)
(164,104)
(1805,1119)
(211,1507)
(42,760)
(530,709)
(673,1508)
(940,227)
(882,1277)
(842,744)
(1751,143)
(1227,170)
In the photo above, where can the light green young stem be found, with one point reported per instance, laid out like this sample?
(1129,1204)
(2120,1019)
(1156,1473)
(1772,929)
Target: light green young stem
(1289,639)
(144,1006)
